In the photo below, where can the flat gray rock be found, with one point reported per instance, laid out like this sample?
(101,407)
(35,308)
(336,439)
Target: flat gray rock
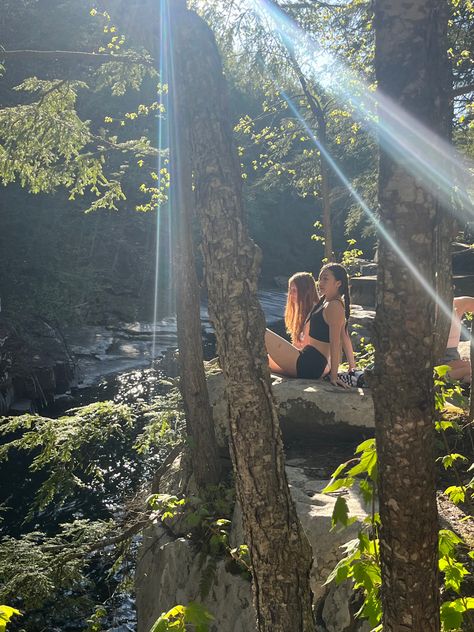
(309,410)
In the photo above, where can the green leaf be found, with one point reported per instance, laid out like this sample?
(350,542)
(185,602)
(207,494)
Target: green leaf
(339,469)
(371,609)
(367,445)
(442,370)
(196,614)
(367,464)
(443,425)
(341,571)
(335,485)
(367,490)
(451,618)
(449,459)
(454,572)
(447,541)
(6,613)
(456,494)
(340,513)
(367,574)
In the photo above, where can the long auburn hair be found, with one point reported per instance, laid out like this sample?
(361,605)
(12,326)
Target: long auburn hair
(340,274)
(296,312)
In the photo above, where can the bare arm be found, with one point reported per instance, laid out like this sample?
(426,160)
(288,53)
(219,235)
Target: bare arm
(348,350)
(463,304)
(334,315)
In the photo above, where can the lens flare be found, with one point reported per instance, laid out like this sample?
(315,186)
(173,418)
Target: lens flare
(162,289)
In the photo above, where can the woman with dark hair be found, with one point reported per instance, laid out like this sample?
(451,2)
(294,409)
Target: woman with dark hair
(316,337)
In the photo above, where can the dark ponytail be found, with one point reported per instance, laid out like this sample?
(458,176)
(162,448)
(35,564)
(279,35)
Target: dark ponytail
(347,304)
(340,274)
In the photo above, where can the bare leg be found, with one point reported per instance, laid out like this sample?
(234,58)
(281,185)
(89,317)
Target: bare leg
(274,367)
(461,370)
(283,354)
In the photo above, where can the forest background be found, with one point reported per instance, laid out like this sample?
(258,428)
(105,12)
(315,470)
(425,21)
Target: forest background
(62,263)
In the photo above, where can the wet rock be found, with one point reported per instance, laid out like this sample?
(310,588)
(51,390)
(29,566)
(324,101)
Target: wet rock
(35,364)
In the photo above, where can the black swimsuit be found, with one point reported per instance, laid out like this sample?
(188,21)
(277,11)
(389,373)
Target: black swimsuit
(311,362)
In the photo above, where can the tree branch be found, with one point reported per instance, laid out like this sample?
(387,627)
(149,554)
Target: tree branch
(96,58)
(458,92)
(311,5)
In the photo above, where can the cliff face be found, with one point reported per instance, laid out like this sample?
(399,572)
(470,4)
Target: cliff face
(172,570)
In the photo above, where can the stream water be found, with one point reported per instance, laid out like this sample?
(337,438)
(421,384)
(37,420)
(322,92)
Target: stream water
(105,351)
(114,363)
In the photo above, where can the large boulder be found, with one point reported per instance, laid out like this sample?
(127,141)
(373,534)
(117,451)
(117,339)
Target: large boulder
(309,410)
(171,571)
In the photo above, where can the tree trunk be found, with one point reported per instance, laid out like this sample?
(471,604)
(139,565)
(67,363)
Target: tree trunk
(411,70)
(471,357)
(320,118)
(280,552)
(325,192)
(193,386)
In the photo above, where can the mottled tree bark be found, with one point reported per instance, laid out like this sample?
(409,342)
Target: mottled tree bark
(471,358)
(412,70)
(192,382)
(280,552)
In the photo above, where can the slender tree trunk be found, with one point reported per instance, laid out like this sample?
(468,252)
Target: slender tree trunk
(325,192)
(411,70)
(280,552)
(471,357)
(193,386)
(320,118)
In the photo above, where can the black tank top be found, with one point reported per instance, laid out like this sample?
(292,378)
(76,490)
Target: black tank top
(318,327)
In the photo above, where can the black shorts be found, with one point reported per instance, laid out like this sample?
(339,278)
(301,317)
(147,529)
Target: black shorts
(311,363)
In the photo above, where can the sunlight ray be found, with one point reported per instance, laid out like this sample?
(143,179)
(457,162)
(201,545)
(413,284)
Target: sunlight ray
(434,161)
(381,230)
(400,134)
(161,142)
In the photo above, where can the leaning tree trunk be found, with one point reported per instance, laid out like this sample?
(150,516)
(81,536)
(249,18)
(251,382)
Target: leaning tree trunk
(412,70)
(280,552)
(199,422)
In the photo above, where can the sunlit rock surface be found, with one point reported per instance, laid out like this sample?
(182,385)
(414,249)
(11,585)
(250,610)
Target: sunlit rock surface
(309,410)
